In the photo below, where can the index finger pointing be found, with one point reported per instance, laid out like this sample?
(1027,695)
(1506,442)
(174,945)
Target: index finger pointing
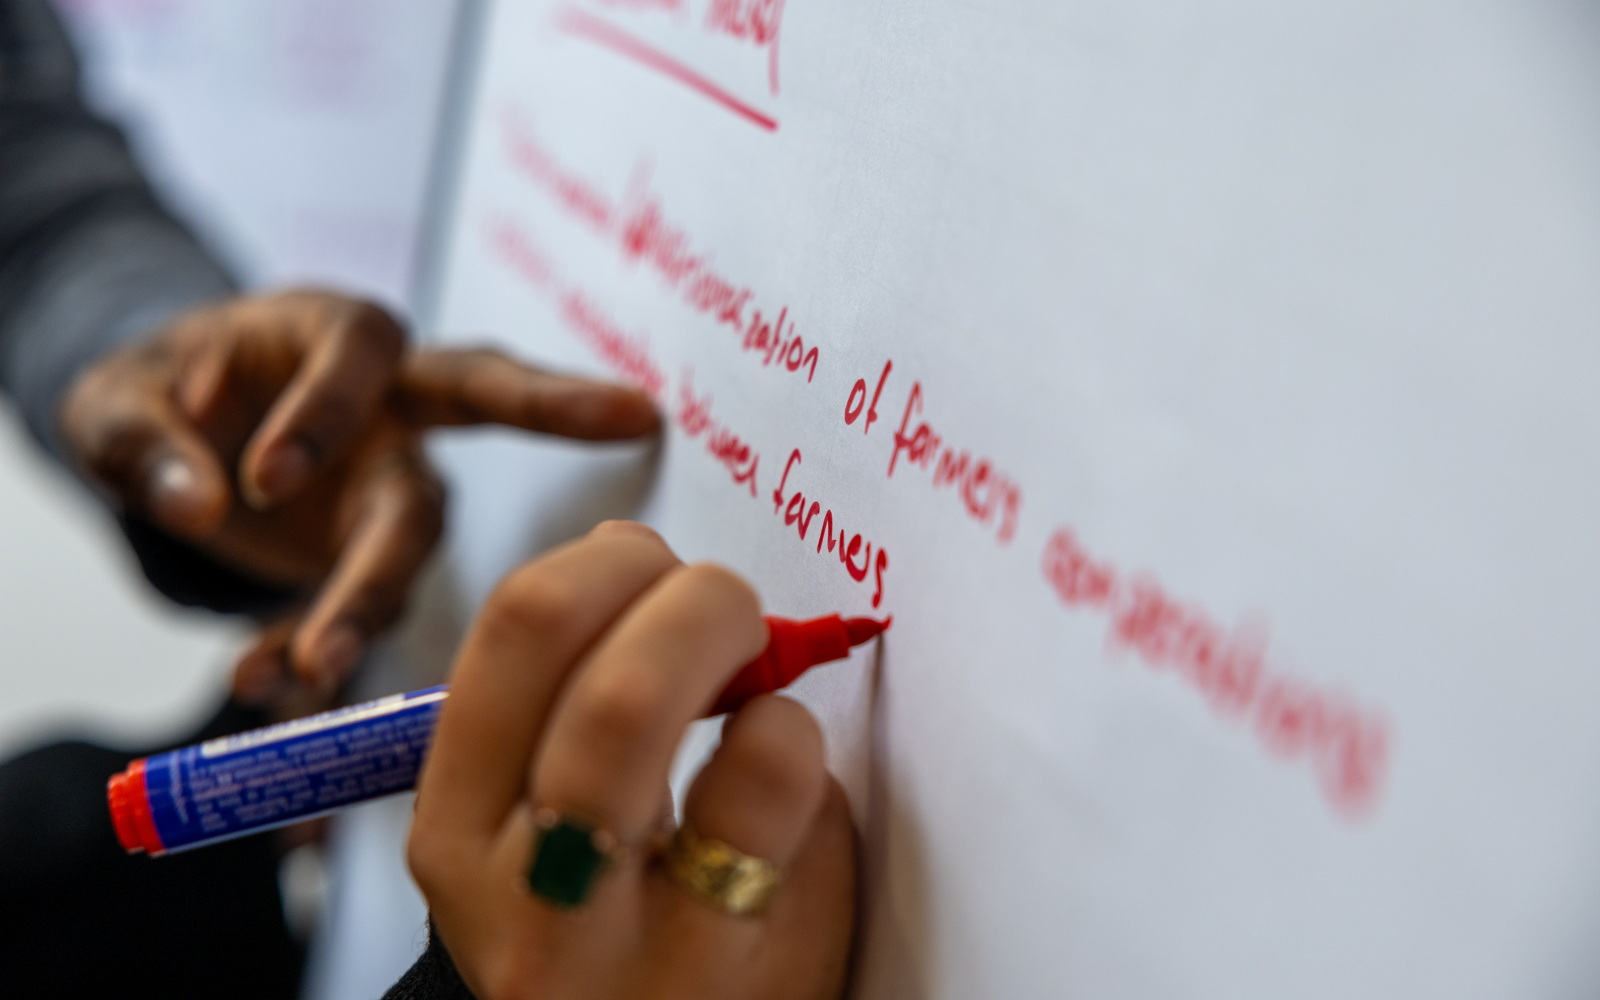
(442,388)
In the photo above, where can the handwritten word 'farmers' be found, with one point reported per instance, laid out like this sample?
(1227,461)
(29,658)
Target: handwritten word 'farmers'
(1347,745)
(797,514)
(985,492)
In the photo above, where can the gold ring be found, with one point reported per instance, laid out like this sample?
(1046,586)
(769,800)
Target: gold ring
(720,874)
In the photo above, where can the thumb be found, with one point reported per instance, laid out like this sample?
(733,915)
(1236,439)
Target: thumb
(184,489)
(134,439)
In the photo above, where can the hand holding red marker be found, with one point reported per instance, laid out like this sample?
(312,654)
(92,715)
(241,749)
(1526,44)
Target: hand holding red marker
(540,836)
(282,774)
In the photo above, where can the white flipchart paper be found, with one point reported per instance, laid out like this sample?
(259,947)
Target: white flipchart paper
(294,135)
(1244,574)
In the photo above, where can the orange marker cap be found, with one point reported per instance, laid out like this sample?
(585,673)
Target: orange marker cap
(130,811)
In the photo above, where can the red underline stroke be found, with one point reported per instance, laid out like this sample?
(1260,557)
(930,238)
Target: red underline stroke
(603,33)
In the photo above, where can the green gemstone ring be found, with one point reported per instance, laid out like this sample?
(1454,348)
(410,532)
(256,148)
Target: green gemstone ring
(568,854)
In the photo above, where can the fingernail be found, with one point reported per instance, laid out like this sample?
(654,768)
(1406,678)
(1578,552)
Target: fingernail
(608,409)
(258,677)
(173,492)
(336,653)
(281,471)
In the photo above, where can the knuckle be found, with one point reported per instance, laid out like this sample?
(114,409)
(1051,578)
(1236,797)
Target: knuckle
(484,356)
(457,364)
(376,328)
(532,605)
(624,529)
(94,401)
(722,588)
(418,506)
(721,600)
(332,415)
(432,500)
(117,453)
(430,514)
(637,545)
(295,296)
(91,385)
(375,604)
(615,710)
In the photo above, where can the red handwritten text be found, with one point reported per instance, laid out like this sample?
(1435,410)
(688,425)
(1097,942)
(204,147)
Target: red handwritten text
(741,21)
(985,492)
(857,401)
(638,5)
(774,343)
(1347,745)
(755,21)
(695,419)
(796,513)
(571,191)
(638,225)
(626,355)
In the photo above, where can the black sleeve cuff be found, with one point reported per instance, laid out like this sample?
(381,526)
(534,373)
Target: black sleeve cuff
(434,977)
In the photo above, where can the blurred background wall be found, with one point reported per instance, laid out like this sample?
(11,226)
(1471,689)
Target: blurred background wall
(296,137)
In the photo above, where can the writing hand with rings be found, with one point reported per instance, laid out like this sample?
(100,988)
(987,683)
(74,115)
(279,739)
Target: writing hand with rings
(542,835)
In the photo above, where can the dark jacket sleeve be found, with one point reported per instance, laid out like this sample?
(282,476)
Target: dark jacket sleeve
(89,259)
(88,256)
(81,918)
(433,977)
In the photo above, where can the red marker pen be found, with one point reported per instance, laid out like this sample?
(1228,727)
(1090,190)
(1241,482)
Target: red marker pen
(253,781)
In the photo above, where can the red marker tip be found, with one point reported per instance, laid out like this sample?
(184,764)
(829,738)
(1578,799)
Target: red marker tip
(863,629)
(794,648)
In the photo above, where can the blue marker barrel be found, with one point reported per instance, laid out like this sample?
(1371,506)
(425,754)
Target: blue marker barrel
(282,774)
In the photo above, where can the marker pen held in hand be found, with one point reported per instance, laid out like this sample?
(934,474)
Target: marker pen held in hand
(242,784)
